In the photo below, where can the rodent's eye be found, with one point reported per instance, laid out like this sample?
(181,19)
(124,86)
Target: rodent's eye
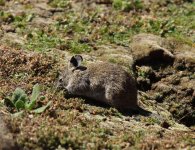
(60,79)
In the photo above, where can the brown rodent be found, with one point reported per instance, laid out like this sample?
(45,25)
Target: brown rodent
(102,81)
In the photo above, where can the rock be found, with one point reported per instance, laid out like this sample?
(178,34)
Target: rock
(8,28)
(147,47)
(185,60)
(184,54)
(13,38)
(145,77)
(114,54)
(6,137)
(41,22)
(161,87)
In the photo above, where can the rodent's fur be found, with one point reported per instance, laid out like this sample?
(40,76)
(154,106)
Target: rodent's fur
(105,82)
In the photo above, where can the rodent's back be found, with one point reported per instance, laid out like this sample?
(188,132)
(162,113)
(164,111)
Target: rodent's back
(106,72)
(119,85)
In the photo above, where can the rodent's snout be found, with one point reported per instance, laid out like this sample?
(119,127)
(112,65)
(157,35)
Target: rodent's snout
(59,85)
(59,82)
(65,89)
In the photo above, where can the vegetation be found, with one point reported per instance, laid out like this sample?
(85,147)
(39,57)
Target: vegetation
(21,101)
(77,33)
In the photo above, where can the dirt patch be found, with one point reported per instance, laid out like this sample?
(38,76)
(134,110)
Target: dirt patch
(7,140)
(72,118)
(25,69)
(170,83)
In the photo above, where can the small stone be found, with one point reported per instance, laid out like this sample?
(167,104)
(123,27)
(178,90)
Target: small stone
(30,116)
(8,28)
(165,125)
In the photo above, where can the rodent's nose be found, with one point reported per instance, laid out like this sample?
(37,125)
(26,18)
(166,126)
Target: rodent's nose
(58,86)
(66,90)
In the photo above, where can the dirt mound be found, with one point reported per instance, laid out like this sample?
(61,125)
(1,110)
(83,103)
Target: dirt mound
(71,118)
(7,139)
(165,71)
(148,48)
(19,68)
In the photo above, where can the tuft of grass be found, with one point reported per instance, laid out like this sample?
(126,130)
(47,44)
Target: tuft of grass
(126,5)
(59,3)
(151,121)
(2,2)
(6,17)
(78,47)
(42,42)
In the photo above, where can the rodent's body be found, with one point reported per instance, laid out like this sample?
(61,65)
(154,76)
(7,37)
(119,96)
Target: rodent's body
(105,82)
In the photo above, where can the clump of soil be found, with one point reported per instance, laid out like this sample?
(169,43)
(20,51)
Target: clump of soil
(6,137)
(169,79)
(72,119)
(19,68)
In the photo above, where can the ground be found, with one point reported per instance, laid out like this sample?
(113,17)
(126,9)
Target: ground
(152,40)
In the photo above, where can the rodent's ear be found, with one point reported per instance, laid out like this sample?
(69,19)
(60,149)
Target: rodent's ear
(75,61)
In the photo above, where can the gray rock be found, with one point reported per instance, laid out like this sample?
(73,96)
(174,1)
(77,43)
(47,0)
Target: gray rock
(6,137)
(148,47)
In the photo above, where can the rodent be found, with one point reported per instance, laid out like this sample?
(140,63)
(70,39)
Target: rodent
(100,81)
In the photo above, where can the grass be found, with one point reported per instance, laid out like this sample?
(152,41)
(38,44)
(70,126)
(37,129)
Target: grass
(59,3)
(126,5)
(116,29)
(2,2)
(42,42)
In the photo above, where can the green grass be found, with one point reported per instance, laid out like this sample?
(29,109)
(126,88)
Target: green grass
(59,3)
(126,5)
(175,21)
(42,42)
(2,2)
(78,47)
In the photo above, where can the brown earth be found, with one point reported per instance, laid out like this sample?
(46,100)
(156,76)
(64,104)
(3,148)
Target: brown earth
(165,90)
(168,74)
(6,137)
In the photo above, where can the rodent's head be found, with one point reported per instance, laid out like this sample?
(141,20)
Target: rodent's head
(67,73)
